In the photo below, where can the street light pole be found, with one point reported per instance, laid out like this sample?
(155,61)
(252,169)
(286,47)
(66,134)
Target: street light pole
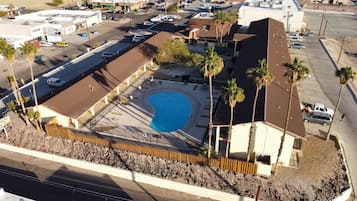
(287,19)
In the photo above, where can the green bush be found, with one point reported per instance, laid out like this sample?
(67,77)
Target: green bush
(172,8)
(57,2)
(123,100)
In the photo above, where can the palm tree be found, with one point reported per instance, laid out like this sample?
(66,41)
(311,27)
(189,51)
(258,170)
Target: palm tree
(29,51)
(9,53)
(296,72)
(345,75)
(211,66)
(232,95)
(262,76)
(224,21)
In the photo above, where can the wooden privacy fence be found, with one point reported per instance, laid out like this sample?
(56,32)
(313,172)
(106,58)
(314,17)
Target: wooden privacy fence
(224,163)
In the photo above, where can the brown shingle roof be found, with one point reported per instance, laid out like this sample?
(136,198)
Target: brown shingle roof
(79,97)
(270,43)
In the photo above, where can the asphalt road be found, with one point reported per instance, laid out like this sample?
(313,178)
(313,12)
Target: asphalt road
(338,25)
(47,181)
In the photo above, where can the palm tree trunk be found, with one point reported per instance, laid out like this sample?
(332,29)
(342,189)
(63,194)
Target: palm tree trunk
(210,117)
(334,114)
(18,92)
(285,127)
(229,133)
(252,131)
(38,121)
(12,85)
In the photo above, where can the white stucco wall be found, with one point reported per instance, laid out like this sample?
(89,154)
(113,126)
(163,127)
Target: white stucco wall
(248,14)
(47,113)
(267,141)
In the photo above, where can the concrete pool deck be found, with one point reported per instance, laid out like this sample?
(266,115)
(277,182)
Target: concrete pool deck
(132,121)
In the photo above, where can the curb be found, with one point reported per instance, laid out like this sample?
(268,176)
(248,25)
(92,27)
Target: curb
(349,87)
(129,175)
(347,193)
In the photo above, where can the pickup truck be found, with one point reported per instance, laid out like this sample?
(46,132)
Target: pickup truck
(317,107)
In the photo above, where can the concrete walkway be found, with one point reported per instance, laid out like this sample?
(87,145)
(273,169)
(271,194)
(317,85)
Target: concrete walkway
(323,87)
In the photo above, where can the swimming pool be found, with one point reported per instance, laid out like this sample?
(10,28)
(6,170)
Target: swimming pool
(172,110)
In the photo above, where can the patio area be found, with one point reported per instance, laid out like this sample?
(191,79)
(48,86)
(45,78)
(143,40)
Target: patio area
(132,120)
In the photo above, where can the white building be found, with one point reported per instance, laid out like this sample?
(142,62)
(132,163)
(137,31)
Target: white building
(48,25)
(287,11)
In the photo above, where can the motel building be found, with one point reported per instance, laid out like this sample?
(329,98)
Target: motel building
(80,102)
(264,39)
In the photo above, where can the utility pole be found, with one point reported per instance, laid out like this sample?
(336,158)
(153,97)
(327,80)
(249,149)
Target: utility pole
(323,33)
(88,34)
(322,20)
(288,15)
(340,53)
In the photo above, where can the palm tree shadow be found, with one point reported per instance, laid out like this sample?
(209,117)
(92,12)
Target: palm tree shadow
(223,179)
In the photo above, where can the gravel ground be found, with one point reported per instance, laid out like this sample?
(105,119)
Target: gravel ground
(321,175)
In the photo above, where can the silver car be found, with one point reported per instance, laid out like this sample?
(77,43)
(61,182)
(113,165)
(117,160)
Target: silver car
(318,117)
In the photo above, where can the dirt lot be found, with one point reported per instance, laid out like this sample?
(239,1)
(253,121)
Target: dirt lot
(321,175)
(36,4)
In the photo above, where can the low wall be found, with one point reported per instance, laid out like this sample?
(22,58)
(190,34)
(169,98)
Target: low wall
(130,175)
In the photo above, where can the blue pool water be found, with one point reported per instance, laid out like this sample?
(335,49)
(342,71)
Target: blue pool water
(172,110)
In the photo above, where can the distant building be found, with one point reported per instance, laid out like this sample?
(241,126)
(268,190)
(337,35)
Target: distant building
(288,12)
(265,39)
(202,29)
(95,91)
(46,25)
(125,5)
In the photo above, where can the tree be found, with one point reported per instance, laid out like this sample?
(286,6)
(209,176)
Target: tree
(262,76)
(173,51)
(296,71)
(29,51)
(224,20)
(172,8)
(345,75)
(232,95)
(195,60)
(57,2)
(9,53)
(34,116)
(211,65)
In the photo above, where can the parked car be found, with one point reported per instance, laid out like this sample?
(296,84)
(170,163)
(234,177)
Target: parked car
(45,44)
(295,38)
(62,44)
(84,35)
(137,38)
(310,34)
(318,117)
(55,82)
(317,107)
(109,54)
(148,23)
(297,46)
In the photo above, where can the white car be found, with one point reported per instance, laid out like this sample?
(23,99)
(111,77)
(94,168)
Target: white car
(55,82)
(148,23)
(46,44)
(137,38)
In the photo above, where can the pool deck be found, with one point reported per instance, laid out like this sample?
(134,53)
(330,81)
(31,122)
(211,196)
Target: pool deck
(132,121)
